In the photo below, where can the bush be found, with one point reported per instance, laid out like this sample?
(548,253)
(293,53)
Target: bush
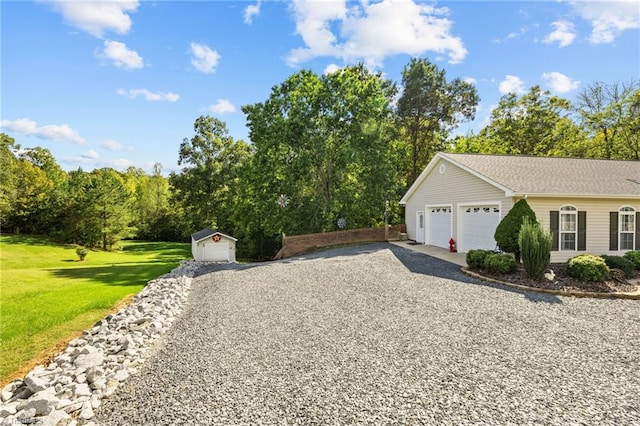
(500,263)
(535,248)
(587,267)
(634,257)
(619,262)
(508,229)
(475,258)
(82,253)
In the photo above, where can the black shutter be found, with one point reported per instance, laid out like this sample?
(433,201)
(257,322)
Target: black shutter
(637,242)
(613,231)
(582,231)
(554,222)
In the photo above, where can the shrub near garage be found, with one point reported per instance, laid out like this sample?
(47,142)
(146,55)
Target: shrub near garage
(475,258)
(619,262)
(634,257)
(587,267)
(500,263)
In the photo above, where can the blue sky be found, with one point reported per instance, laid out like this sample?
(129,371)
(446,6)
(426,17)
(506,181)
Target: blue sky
(120,83)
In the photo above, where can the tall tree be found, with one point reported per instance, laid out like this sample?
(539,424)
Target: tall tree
(324,142)
(7,177)
(606,110)
(207,184)
(532,124)
(429,108)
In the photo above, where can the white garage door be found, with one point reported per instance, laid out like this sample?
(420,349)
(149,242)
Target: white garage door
(439,226)
(478,227)
(216,251)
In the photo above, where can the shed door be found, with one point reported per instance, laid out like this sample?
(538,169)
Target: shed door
(478,227)
(439,226)
(216,252)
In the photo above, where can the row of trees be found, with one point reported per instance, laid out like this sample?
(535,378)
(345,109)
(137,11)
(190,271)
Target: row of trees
(324,149)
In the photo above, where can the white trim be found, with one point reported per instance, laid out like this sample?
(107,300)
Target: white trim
(215,233)
(427,234)
(573,212)
(631,213)
(461,207)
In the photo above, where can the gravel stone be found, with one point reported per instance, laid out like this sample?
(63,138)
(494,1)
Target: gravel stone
(379,334)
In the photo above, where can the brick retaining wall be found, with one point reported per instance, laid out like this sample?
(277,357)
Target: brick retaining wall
(299,244)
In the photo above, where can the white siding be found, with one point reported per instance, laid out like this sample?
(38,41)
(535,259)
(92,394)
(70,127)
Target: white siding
(597,221)
(450,188)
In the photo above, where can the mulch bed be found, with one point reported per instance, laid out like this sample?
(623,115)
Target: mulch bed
(562,281)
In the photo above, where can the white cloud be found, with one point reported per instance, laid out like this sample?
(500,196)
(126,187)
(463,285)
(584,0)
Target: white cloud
(251,11)
(91,155)
(223,106)
(609,18)
(87,161)
(54,132)
(111,145)
(564,33)
(96,18)
(148,95)
(204,59)
(559,82)
(371,31)
(331,68)
(121,56)
(511,84)
(470,80)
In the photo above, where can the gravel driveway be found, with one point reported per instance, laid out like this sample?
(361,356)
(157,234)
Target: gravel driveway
(378,334)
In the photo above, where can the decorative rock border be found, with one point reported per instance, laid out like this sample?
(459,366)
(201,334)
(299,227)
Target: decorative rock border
(92,366)
(633,296)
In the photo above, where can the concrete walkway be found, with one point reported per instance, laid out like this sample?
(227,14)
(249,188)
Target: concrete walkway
(438,252)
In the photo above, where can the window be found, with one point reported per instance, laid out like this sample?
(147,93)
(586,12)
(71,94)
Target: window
(627,227)
(568,227)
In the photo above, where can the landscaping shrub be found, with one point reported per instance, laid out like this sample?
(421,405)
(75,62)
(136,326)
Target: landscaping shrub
(535,248)
(475,258)
(633,256)
(508,229)
(82,253)
(587,267)
(619,262)
(500,263)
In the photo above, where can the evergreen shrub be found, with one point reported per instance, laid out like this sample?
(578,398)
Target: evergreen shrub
(633,256)
(587,267)
(508,229)
(535,248)
(475,258)
(619,262)
(500,263)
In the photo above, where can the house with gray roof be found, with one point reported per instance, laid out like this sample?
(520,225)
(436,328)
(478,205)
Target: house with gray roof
(589,205)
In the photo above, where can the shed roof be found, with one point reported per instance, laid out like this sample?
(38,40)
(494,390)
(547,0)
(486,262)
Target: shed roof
(547,176)
(208,232)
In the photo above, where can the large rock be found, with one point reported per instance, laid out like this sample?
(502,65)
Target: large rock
(89,357)
(36,384)
(43,402)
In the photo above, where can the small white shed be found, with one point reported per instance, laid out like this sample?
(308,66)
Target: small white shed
(208,245)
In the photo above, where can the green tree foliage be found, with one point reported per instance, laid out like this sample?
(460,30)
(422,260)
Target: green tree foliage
(7,178)
(207,187)
(430,107)
(532,124)
(535,248)
(508,229)
(609,115)
(323,141)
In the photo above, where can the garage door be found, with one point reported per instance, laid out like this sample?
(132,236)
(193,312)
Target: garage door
(216,251)
(439,226)
(478,227)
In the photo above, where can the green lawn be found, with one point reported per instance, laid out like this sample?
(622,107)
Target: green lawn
(47,295)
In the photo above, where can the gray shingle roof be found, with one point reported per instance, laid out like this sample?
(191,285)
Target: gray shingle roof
(202,234)
(554,175)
